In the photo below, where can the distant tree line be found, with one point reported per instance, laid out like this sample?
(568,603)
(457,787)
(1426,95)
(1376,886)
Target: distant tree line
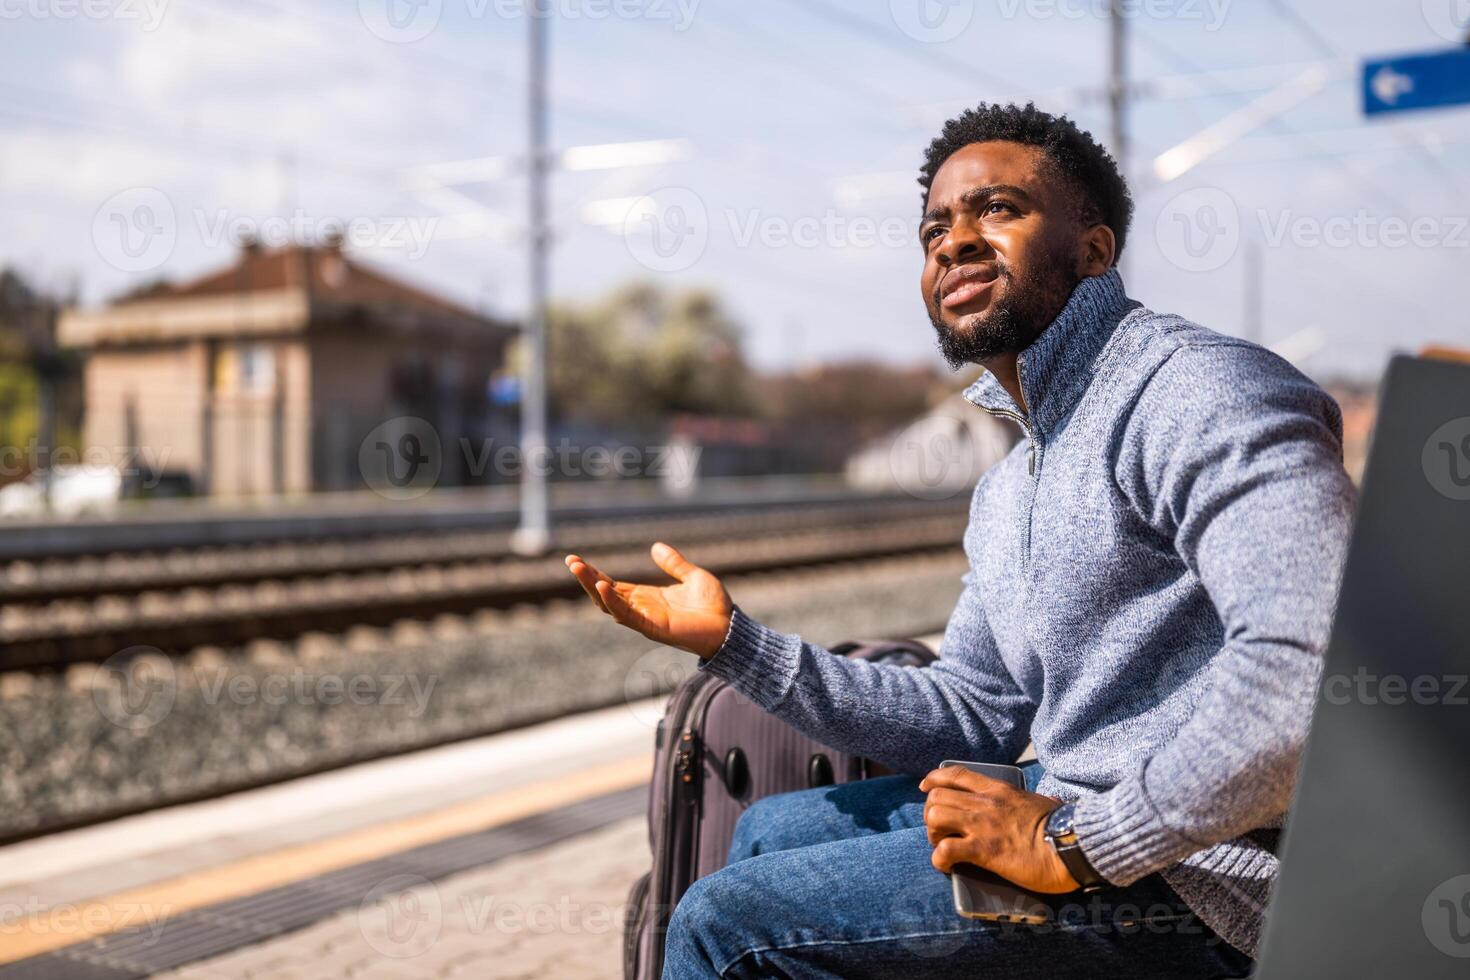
(641,355)
(29,358)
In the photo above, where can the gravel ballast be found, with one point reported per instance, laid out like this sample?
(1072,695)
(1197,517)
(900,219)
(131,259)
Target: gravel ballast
(143,730)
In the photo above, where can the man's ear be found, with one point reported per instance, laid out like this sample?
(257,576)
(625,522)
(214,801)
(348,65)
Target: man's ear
(1099,246)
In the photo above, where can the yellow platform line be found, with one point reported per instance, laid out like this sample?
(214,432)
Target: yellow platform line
(150,905)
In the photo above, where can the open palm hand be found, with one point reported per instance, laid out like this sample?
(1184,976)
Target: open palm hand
(693,614)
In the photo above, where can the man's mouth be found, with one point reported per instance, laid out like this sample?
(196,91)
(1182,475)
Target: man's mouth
(965,283)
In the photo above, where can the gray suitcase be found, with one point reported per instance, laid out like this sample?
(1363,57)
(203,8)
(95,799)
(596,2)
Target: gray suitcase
(716,752)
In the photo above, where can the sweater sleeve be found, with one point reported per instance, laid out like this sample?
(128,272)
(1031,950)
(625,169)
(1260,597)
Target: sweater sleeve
(966,705)
(1248,483)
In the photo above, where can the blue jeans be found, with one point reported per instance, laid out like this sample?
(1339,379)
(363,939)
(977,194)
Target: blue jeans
(836,882)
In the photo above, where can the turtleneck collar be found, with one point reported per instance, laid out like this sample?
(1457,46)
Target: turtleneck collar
(1057,367)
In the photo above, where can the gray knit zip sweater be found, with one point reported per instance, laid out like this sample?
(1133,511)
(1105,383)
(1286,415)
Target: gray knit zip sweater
(1152,577)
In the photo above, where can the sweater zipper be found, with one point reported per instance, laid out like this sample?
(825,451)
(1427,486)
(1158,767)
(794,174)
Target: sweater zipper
(1033,454)
(1025,427)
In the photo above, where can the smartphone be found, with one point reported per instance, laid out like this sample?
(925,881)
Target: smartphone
(981,894)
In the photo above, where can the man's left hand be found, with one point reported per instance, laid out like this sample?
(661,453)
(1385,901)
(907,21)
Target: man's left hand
(974,819)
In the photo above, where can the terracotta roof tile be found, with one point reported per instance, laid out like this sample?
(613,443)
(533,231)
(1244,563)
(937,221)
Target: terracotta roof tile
(325,271)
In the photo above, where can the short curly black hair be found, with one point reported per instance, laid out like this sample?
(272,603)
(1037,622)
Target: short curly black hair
(1101,192)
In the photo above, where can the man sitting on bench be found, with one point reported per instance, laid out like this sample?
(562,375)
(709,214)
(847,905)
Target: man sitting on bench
(1152,577)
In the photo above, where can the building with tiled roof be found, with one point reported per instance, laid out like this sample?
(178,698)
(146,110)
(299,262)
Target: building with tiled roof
(266,376)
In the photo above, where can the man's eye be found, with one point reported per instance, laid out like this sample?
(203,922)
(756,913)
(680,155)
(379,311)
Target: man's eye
(932,233)
(1002,205)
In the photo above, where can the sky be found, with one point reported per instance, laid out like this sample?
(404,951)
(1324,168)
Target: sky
(775,146)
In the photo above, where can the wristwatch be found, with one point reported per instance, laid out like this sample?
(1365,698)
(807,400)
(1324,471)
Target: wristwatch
(1063,837)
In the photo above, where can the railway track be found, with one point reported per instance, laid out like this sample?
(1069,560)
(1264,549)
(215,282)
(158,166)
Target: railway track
(380,584)
(38,583)
(197,526)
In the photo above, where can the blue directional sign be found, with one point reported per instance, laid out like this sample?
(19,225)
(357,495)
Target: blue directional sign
(505,389)
(1417,81)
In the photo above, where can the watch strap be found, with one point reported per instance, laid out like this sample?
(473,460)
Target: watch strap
(1063,837)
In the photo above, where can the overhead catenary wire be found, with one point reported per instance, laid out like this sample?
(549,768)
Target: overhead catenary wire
(929,57)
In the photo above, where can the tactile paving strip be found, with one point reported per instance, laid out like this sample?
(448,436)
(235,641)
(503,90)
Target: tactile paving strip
(215,929)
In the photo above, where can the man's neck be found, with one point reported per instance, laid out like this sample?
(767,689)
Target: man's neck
(1004,367)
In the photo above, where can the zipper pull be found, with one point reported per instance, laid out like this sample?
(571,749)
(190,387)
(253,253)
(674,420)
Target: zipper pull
(1031,458)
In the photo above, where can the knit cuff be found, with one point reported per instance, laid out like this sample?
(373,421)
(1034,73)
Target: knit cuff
(757,661)
(1123,836)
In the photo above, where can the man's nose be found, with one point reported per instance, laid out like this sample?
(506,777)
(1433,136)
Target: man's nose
(961,244)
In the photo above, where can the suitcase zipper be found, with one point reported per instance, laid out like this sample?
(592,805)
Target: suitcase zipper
(683,778)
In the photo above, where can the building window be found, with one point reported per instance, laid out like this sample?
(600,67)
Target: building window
(257,369)
(245,369)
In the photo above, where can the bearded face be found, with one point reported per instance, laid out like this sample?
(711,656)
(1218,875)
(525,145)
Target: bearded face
(999,250)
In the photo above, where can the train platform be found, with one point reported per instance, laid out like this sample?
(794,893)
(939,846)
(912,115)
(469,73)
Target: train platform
(175,889)
(504,856)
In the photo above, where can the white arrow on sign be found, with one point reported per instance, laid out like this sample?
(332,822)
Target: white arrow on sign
(1388,85)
